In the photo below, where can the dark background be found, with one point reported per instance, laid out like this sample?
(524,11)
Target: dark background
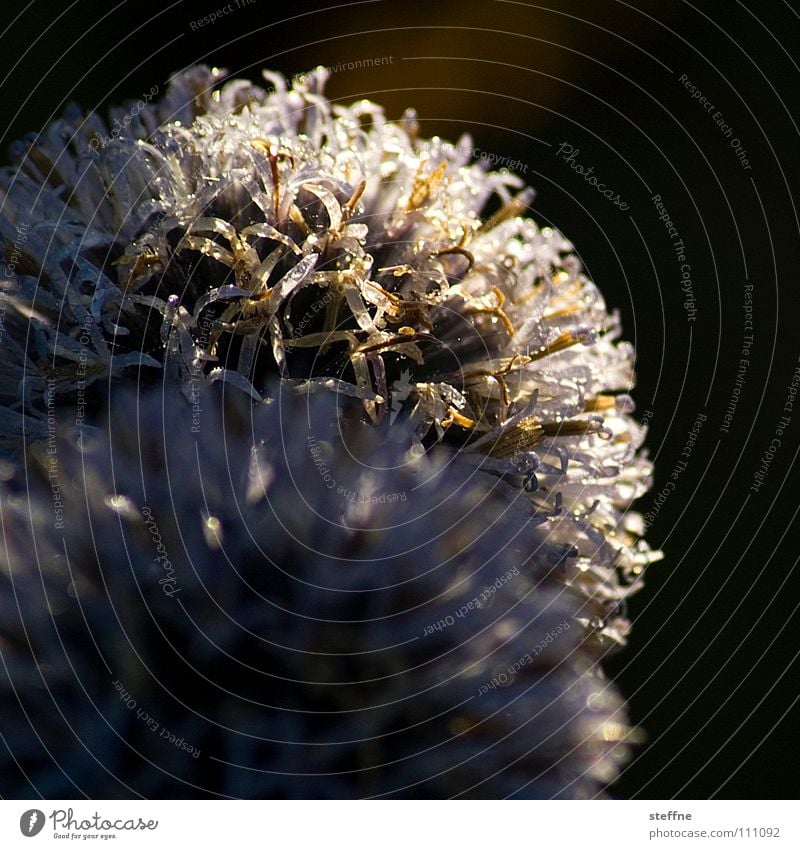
(711,669)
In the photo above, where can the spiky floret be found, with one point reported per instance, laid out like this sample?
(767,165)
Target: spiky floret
(244,607)
(234,234)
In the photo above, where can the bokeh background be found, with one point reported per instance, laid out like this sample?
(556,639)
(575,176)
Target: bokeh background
(711,669)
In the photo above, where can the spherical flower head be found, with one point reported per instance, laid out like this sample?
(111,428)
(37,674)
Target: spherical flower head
(237,234)
(213,618)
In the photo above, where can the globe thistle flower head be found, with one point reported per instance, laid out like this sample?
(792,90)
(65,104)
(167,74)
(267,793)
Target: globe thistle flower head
(269,243)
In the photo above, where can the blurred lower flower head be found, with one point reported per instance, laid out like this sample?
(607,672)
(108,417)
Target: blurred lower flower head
(255,239)
(213,618)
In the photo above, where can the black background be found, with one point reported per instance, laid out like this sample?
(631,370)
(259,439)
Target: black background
(711,668)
